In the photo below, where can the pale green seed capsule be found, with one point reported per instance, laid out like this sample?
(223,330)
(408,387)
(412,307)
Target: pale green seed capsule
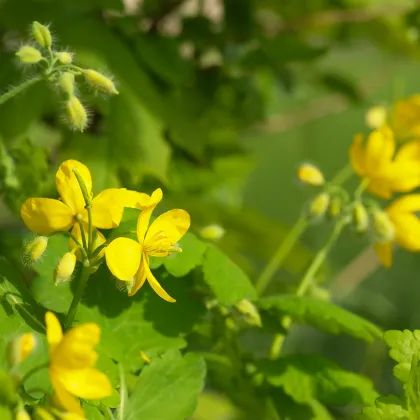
(100,82)
(64,57)
(360,218)
(66,83)
(383,227)
(29,55)
(319,205)
(65,268)
(42,35)
(76,113)
(35,249)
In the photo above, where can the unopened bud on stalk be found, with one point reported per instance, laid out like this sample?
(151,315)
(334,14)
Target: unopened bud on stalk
(64,57)
(375,117)
(42,35)
(65,268)
(66,83)
(29,55)
(100,82)
(76,113)
(250,312)
(383,227)
(22,414)
(335,207)
(360,217)
(319,205)
(20,348)
(310,174)
(35,249)
(212,232)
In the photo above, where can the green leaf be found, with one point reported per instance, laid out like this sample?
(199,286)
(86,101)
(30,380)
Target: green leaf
(385,408)
(338,83)
(227,281)
(92,413)
(322,315)
(404,345)
(412,389)
(168,388)
(308,377)
(179,265)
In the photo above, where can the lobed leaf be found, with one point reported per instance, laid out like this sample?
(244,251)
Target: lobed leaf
(385,408)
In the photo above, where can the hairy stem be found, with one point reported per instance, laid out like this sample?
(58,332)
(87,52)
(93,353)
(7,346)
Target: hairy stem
(20,88)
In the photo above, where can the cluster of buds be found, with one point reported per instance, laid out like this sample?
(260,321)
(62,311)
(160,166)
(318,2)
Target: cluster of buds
(58,68)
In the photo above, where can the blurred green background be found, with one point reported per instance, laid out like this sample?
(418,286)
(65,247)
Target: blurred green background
(219,103)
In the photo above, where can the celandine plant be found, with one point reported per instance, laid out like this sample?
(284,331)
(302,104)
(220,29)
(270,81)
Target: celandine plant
(130,316)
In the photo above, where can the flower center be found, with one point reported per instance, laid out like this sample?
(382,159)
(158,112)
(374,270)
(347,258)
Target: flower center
(160,245)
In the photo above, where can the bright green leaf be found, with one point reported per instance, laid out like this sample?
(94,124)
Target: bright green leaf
(412,389)
(385,408)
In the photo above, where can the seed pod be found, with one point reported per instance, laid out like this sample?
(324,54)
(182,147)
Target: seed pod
(319,205)
(35,249)
(66,83)
(100,82)
(42,35)
(20,348)
(65,268)
(76,113)
(360,217)
(29,55)
(212,232)
(383,227)
(310,174)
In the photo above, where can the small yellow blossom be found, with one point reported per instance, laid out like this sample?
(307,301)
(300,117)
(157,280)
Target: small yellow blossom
(128,259)
(386,173)
(71,367)
(376,117)
(20,348)
(402,214)
(405,118)
(310,174)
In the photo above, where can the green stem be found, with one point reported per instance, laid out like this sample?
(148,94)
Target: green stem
(77,242)
(361,188)
(106,411)
(83,278)
(343,175)
(20,88)
(283,250)
(306,283)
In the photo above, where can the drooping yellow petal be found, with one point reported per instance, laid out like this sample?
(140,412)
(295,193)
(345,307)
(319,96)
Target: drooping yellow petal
(63,397)
(173,224)
(403,177)
(406,204)
(407,231)
(134,199)
(144,218)
(140,277)
(155,284)
(123,258)
(54,331)
(356,154)
(379,149)
(384,253)
(107,209)
(46,215)
(69,188)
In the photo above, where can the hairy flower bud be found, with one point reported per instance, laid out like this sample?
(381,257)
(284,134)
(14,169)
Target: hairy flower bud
(335,207)
(319,205)
(65,268)
(20,348)
(375,117)
(35,249)
(29,55)
(76,113)
(212,232)
(100,82)
(383,227)
(64,57)
(42,34)
(66,83)
(360,217)
(310,174)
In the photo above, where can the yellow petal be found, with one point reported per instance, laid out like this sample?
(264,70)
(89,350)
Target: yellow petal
(155,284)
(384,253)
(54,330)
(69,188)
(173,224)
(357,155)
(409,152)
(64,398)
(140,277)
(123,258)
(380,148)
(406,204)
(380,188)
(45,215)
(86,383)
(107,209)
(404,177)
(144,218)
(407,231)
(134,199)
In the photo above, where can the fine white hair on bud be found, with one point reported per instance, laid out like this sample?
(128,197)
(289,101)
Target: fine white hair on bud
(29,55)
(35,249)
(42,34)
(100,82)
(76,113)
(65,268)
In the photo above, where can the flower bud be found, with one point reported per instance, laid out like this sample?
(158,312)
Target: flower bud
(100,82)
(76,113)
(310,174)
(319,205)
(22,414)
(335,207)
(212,232)
(65,268)
(383,227)
(66,83)
(29,55)
(360,217)
(42,34)
(20,348)
(35,249)
(64,57)
(250,312)
(42,414)
(375,117)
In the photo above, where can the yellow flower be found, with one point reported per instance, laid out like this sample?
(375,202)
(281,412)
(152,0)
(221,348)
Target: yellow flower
(128,259)
(405,118)
(72,358)
(402,214)
(386,173)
